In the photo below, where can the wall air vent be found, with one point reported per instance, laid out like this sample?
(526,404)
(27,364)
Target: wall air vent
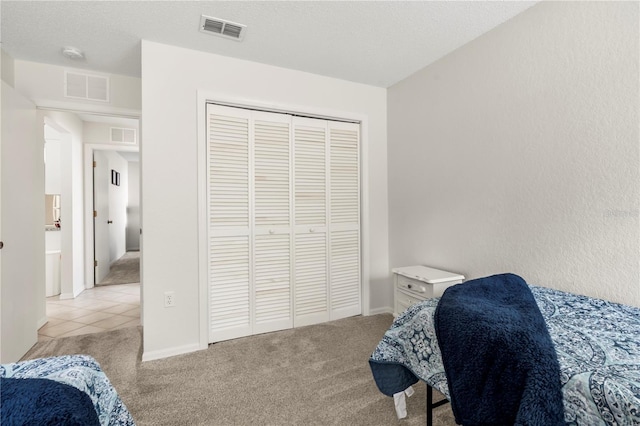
(86,86)
(122,135)
(222,28)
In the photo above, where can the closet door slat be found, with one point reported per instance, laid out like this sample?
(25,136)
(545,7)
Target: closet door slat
(272,173)
(229,288)
(310,172)
(311,289)
(272,282)
(228,171)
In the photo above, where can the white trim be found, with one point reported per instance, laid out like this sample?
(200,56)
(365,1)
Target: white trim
(378,311)
(81,108)
(71,295)
(203,288)
(165,353)
(364,215)
(311,112)
(204,96)
(64,296)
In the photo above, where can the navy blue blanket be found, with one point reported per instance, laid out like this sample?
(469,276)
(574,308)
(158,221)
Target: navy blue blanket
(44,402)
(498,357)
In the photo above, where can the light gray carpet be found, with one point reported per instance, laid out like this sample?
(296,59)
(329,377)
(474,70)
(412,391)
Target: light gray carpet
(124,270)
(316,375)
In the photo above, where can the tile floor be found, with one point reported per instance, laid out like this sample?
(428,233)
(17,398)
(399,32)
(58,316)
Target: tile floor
(94,310)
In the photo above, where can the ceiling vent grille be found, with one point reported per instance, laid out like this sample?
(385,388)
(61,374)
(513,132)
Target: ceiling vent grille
(222,28)
(86,86)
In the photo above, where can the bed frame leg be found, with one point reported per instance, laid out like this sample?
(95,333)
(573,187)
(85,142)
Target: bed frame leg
(431,405)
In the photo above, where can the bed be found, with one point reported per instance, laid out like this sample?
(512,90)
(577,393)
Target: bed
(46,379)
(597,344)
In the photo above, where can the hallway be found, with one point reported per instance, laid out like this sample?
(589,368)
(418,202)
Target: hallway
(124,270)
(94,310)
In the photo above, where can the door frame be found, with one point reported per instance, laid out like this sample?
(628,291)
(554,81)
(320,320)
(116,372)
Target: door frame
(68,288)
(88,204)
(206,96)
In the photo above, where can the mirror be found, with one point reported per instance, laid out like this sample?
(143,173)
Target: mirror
(52,210)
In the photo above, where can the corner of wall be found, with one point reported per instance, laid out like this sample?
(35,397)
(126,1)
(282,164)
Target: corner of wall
(8,69)
(382,310)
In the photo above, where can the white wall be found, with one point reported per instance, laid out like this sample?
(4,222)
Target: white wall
(52,170)
(100,133)
(118,199)
(44,84)
(69,126)
(133,207)
(171,79)
(22,262)
(7,67)
(52,241)
(519,152)
(97,136)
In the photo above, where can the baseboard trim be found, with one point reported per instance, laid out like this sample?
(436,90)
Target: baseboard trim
(166,353)
(66,296)
(383,310)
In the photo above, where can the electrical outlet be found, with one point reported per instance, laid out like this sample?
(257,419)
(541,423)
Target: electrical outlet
(169,299)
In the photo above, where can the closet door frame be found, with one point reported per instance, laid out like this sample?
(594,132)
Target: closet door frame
(205,97)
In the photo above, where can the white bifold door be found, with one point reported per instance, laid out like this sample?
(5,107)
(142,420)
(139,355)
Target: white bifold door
(284,221)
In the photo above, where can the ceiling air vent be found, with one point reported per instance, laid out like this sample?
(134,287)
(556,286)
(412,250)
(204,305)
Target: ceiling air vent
(222,28)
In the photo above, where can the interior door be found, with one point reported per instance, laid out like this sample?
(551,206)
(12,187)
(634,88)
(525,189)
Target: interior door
(272,222)
(22,227)
(229,240)
(101,182)
(311,300)
(344,235)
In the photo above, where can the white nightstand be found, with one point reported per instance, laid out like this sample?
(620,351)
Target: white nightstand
(413,284)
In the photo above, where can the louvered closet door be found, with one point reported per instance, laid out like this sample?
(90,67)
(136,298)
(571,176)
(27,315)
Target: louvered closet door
(229,221)
(344,236)
(284,221)
(272,222)
(311,299)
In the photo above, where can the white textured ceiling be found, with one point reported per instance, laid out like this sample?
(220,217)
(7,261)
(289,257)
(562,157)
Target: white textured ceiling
(377,43)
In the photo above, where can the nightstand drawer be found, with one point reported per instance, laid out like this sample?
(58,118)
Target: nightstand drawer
(415,286)
(404,300)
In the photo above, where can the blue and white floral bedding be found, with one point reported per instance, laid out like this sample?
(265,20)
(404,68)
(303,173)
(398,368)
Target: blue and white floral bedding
(82,372)
(597,344)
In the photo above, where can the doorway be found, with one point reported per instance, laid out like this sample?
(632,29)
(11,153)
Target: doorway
(116,217)
(112,193)
(91,309)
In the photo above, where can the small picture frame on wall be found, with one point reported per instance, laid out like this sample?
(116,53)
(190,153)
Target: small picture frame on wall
(117,178)
(114,177)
